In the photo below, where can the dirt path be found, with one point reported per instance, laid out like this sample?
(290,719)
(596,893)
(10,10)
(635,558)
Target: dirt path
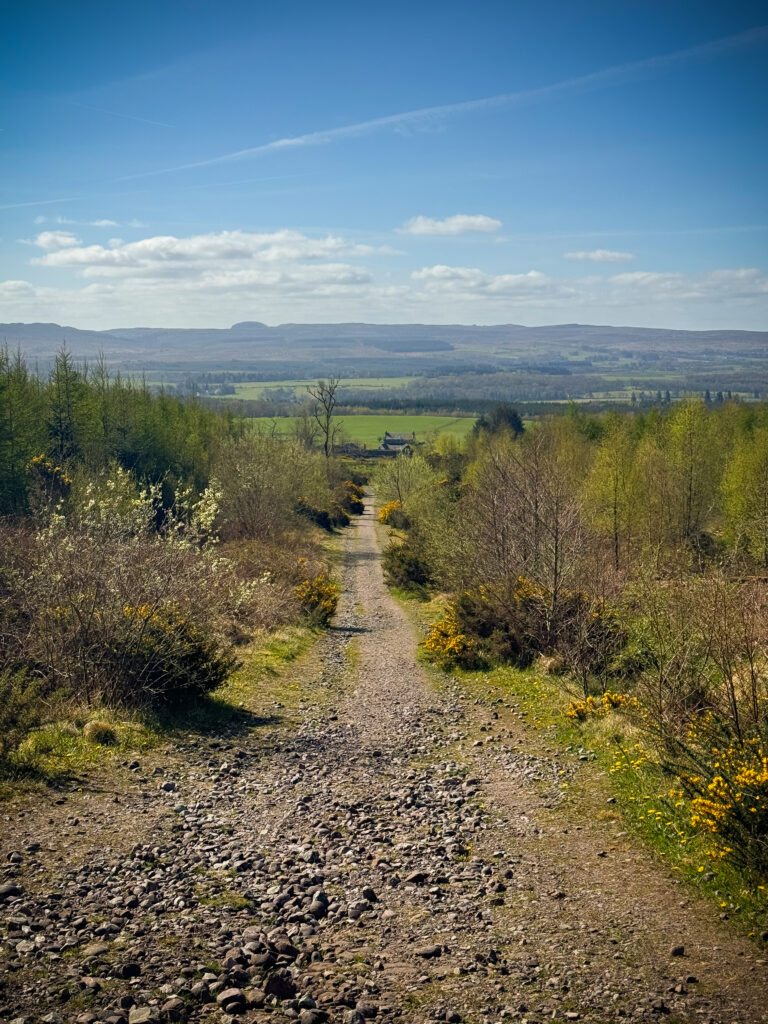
(396,849)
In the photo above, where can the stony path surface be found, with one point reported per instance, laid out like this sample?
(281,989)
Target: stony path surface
(401,852)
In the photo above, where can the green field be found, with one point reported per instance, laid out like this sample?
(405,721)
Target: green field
(369,430)
(261,388)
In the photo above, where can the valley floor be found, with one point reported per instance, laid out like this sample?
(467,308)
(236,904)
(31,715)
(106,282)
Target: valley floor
(382,845)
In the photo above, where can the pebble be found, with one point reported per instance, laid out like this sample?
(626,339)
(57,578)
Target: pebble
(342,870)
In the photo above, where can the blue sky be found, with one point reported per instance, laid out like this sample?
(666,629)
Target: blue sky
(195,164)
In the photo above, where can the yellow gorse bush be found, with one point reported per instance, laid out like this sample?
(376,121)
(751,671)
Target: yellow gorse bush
(319,597)
(387,509)
(446,645)
(733,806)
(580,710)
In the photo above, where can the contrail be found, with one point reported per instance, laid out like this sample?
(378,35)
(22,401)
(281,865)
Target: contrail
(594,80)
(39,202)
(114,113)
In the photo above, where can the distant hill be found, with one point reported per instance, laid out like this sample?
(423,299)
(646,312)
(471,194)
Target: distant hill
(403,347)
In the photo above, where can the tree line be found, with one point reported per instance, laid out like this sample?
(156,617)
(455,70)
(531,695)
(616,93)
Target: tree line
(83,415)
(628,555)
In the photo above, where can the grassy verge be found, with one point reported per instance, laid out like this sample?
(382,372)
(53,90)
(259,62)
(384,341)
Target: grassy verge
(647,798)
(622,779)
(83,740)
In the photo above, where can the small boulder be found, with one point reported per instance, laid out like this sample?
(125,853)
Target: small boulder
(281,985)
(174,1009)
(231,1000)
(143,1015)
(429,952)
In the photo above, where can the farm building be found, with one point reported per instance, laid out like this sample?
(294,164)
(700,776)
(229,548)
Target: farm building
(395,444)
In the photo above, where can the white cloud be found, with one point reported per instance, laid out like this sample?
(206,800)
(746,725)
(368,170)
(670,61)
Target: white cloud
(56,241)
(164,255)
(600,256)
(100,222)
(10,290)
(459,224)
(638,288)
(219,277)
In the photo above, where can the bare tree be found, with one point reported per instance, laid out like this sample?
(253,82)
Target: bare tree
(325,401)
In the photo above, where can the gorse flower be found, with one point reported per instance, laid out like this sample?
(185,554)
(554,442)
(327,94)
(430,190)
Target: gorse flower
(386,510)
(447,646)
(319,597)
(579,710)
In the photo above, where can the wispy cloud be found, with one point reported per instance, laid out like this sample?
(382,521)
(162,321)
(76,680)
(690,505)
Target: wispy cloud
(38,202)
(410,118)
(459,224)
(100,222)
(114,113)
(600,256)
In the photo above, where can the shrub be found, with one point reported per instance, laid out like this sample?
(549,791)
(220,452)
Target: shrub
(553,665)
(353,501)
(447,647)
(100,733)
(515,619)
(508,626)
(391,514)
(163,657)
(318,516)
(20,707)
(47,483)
(319,597)
(726,780)
(358,476)
(588,635)
(263,479)
(404,567)
(338,515)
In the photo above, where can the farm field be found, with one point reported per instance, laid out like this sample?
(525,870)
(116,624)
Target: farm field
(369,430)
(257,388)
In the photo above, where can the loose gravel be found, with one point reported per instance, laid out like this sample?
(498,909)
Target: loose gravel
(402,853)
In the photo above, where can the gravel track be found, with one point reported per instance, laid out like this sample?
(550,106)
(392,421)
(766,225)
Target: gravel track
(396,850)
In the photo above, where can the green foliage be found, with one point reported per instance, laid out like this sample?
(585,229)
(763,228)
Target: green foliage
(745,495)
(338,514)
(81,416)
(725,779)
(319,516)
(349,496)
(502,417)
(448,647)
(404,567)
(20,709)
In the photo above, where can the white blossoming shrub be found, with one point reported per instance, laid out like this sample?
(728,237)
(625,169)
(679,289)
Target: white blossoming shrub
(119,600)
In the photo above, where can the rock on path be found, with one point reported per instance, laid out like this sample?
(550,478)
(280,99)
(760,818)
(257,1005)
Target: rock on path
(402,855)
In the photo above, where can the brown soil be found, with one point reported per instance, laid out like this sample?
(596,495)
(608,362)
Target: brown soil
(459,883)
